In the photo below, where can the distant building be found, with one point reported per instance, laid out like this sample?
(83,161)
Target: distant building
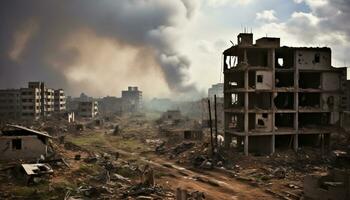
(59,101)
(132,99)
(87,109)
(72,104)
(32,102)
(84,97)
(110,105)
(10,104)
(46,98)
(49,102)
(216,89)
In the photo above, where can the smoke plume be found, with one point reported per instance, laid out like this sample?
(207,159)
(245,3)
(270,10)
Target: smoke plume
(96,46)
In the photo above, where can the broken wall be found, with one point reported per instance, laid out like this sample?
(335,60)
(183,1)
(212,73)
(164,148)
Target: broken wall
(330,81)
(263,80)
(23,147)
(330,101)
(313,59)
(264,121)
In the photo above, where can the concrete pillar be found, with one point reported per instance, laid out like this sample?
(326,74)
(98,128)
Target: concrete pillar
(322,144)
(239,141)
(228,140)
(295,143)
(245,56)
(272,144)
(246,111)
(272,58)
(246,143)
(296,103)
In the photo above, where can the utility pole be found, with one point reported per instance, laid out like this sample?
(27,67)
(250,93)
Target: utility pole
(216,123)
(211,129)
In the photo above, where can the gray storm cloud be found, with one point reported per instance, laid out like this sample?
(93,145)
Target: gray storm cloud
(32,34)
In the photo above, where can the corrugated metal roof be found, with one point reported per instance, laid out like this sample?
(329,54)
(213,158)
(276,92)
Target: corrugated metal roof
(29,130)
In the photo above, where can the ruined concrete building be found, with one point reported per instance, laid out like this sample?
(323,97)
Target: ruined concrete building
(87,109)
(280,96)
(30,103)
(110,105)
(132,99)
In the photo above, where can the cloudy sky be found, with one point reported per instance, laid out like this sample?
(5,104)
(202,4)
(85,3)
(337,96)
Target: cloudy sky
(168,48)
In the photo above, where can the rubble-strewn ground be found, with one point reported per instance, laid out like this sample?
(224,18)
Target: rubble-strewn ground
(115,166)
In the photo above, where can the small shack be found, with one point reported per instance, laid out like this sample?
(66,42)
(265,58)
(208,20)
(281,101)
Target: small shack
(21,143)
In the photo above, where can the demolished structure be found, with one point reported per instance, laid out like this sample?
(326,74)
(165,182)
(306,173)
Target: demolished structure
(280,96)
(20,143)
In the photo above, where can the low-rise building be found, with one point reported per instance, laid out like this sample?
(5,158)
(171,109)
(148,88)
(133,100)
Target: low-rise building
(21,143)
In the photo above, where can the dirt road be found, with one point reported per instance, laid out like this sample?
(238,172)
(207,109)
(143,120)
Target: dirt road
(214,184)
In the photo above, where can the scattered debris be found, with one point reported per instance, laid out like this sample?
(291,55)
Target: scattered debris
(334,185)
(183,147)
(34,171)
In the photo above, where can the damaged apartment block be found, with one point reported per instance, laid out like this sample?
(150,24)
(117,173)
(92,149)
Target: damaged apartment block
(280,97)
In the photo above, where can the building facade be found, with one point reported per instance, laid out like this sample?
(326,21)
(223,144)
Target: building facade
(280,96)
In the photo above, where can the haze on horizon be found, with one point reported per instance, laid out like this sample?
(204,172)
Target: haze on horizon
(166,48)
